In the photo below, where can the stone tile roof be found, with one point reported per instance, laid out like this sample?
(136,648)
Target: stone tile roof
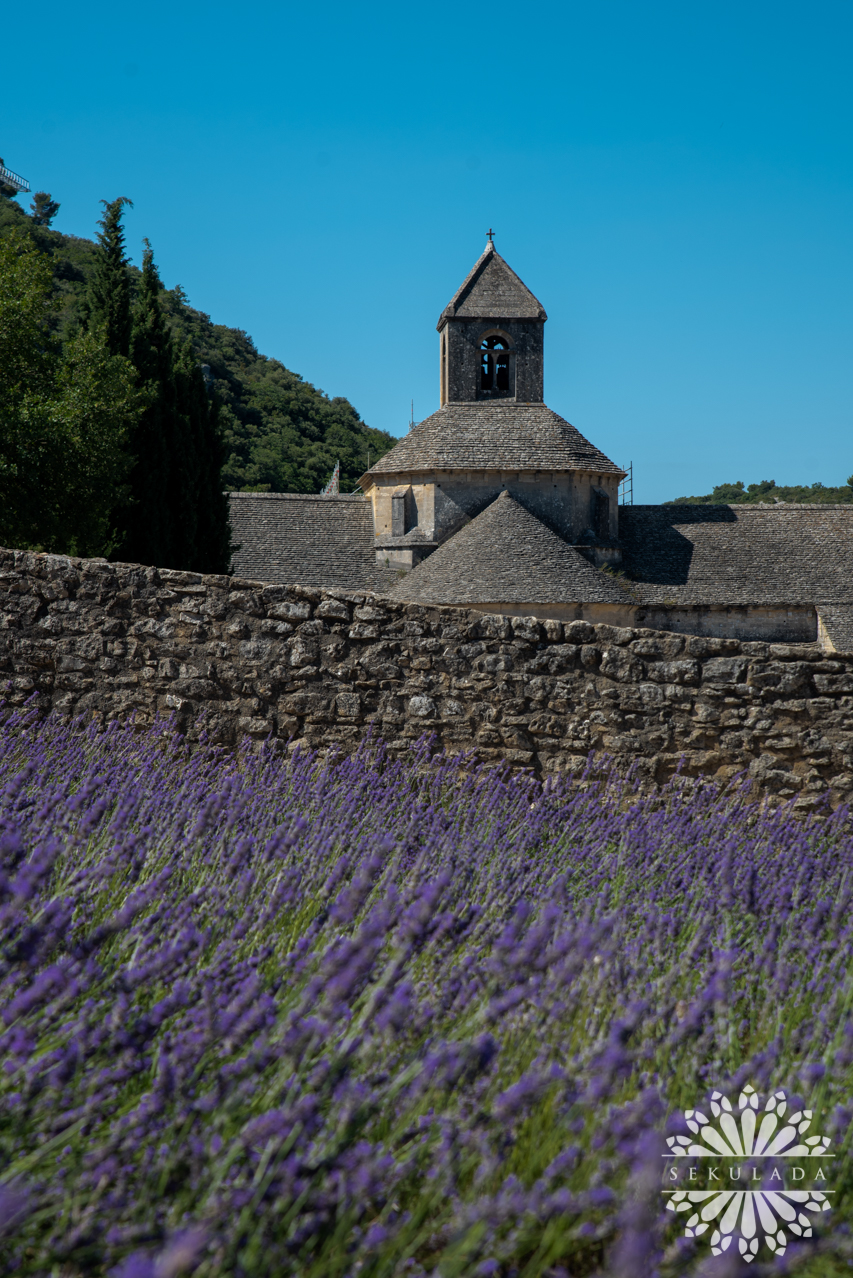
(838,623)
(739,554)
(506,555)
(688,555)
(490,435)
(492,290)
(294,539)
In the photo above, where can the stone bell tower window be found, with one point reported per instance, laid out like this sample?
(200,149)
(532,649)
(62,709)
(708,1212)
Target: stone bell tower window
(496,366)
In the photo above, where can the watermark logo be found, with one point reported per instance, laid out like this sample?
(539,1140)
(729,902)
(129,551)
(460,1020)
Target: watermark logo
(786,1170)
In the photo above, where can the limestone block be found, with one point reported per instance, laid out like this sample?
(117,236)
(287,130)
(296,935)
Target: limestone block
(254,727)
(451,708)
(245,601)
(289,611)
(526,628)
(196,688)
(721,670)
(786,677)
(659,647)
(613,635)
(494,626)
(422,706)
(332,609)
(348,705)
(832,682)
(619,664)
(685,672)
(278,629)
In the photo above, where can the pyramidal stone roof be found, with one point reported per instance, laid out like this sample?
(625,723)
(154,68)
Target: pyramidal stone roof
(494,436)
(506,555)
(492,290)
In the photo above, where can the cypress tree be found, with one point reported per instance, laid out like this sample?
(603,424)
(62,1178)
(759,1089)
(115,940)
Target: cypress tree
(149,519)
(214,516)
(192,407)
(178,513)
(108,298)
(206,528)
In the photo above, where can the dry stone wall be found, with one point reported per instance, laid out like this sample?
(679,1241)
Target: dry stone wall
(88,638)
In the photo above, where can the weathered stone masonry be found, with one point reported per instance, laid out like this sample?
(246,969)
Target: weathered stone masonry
(303,664)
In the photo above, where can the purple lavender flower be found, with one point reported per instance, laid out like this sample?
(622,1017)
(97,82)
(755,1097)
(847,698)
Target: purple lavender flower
(387,1010)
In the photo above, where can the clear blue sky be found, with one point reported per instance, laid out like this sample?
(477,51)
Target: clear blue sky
(672,180)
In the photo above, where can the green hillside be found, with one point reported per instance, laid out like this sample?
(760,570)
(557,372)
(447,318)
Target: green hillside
(282,434)
(768,491)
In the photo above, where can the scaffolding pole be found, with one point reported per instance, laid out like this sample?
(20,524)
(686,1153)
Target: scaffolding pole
(626,488)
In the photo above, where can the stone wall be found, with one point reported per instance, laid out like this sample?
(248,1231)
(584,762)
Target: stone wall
(303,664)
(795,624)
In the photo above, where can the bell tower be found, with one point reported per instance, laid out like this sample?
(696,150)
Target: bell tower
(492,338)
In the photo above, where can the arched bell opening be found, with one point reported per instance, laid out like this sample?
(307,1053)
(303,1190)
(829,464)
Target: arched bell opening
(497,367)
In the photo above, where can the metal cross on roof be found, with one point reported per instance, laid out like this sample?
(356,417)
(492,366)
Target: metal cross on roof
(490,234)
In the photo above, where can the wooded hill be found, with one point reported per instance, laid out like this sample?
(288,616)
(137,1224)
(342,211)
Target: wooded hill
(768,491)
(281,433)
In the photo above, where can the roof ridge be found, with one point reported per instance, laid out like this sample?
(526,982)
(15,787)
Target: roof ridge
(347,497)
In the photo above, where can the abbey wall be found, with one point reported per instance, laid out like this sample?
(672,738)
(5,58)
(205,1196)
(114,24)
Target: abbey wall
(320,667)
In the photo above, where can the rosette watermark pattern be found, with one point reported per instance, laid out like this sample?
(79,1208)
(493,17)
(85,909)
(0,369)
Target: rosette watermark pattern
(771,1209)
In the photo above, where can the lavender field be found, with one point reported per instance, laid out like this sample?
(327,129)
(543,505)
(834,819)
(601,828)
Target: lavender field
(271,1017)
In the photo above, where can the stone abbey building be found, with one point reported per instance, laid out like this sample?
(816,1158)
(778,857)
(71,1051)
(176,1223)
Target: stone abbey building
(496,502)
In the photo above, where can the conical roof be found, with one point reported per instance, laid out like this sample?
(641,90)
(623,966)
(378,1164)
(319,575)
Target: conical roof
(492,291)
(506,555)
(490,435)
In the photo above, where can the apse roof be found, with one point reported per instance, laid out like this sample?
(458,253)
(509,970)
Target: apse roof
(490,435)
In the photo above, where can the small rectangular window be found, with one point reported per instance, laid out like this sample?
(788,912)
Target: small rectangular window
(398,514)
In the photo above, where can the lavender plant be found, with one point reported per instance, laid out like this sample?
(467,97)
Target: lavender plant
(267,1016)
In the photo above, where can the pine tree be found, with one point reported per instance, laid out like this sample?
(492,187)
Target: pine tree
(43,208)
(108,300)
(149,518)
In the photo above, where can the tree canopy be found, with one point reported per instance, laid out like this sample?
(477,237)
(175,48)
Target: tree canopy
(65,417)
(280,433)
(43,208)
(110,443)
(768,491)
